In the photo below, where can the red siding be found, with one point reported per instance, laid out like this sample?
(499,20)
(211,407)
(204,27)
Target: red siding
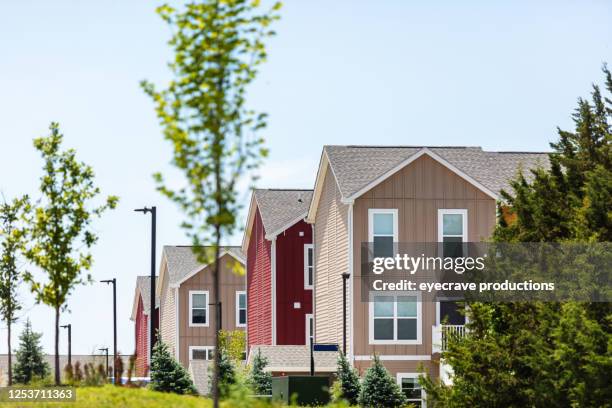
(291,322)
(142,339)
(259,294)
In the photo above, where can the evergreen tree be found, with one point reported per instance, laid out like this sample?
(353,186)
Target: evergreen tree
(349,386)
(227,374)
(379,389)
(167,375)
(260,380)
(30,362)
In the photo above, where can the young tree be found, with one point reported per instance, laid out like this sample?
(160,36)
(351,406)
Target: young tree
(259,379)
(233,342)
(227,374)
(167,375)
(350,387)
(30,362)
(379,389)
(11,243)
(59,231)
(218,46)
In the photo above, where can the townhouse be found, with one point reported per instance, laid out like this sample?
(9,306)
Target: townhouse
(280,267)
(141,316)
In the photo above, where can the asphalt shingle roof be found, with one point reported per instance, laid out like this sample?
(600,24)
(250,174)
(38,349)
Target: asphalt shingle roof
(295,358)
(357,166)
(280,207)
(143,283)
(181,260)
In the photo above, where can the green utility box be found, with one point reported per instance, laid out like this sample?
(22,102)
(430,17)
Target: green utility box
(308,390)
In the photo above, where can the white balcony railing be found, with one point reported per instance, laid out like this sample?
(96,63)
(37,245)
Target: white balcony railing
(441,334)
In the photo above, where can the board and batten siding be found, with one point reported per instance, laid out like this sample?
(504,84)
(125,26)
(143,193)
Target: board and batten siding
(230,282)
(167,313)
(417,191)
(331,261)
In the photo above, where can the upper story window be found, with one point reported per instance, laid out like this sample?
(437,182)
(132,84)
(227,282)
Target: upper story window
(198,308)
(409,384)
(395,318)
(309,327)
(308,266)
(241,308)
(452,231)
(201,353)
(382,231)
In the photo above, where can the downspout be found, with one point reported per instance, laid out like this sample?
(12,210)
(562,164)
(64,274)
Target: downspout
(176,322)
(273,291)
(350,291)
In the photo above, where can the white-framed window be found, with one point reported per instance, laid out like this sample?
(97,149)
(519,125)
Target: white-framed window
(395,318)
(201,353)
(308,266)
(241,308)
(198,308)
(309,327)
(452,231)
(409,384)
(382,230)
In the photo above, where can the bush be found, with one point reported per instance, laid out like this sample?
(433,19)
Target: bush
(227,374)
(379,389)
(167,375)
(259,380)
(347,387)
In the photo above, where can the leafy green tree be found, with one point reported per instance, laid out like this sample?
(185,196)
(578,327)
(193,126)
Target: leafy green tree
(218,47)
(30,364)
(228,375)
(234,344)
(59,231)
(545,354)
(259,379)
(167,375)
(379,389)
(349,385)
(11,244)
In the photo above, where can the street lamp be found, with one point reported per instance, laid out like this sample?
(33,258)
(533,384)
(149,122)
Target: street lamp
(114,282)
(69,327)
(345,277)
(105,349)
(153,317)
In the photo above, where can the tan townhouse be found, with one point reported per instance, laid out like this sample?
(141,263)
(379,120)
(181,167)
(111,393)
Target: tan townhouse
(387,195)
(185,290)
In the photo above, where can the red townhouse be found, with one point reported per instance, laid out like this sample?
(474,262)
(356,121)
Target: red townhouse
(141,312)
(280,268)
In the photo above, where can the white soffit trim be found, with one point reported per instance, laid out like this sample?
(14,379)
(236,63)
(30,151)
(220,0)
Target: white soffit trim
(320,179)
(273,235)
(163,265)
(135,304)
(177,337)
(273,290)
(249,224)
(412,158)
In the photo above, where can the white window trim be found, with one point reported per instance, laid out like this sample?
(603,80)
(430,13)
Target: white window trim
(199,292)
(447,211)
(401,376)
(373,211)
(200,348)
(419,318)
(309,317)
(238,293)
(306,248)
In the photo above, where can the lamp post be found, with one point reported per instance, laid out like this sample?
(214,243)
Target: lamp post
(105,349)
(345,277)
(153,317)
(69,327)
(114,282)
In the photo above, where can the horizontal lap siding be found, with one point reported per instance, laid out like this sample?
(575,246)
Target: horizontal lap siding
(167,321)
(259,286)
(142,351)
(417,191)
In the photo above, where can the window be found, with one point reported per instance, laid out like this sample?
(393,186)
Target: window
(308,266)
(309,327)
(198,308)
(382,226)
(395,318)
(409,384)
(241,308)
(201,353)
(452,231)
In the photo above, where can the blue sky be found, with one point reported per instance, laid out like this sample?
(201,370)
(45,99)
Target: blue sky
(501,75)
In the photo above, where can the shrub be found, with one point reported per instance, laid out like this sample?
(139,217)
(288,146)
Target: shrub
(379,389)
(30,362)
(227,374)
(348,386)
(259,380)
(167,375)
(118,369)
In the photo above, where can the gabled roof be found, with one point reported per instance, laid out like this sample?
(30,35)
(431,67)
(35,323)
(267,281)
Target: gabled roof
(143,290)
(279,209)
(357,169)
(294,359)
(182,263)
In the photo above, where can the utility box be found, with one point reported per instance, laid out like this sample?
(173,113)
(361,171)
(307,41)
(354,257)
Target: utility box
(308,390)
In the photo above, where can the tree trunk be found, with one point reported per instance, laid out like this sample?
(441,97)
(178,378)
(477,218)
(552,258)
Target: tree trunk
(217,297)
(10,356)
(57,359)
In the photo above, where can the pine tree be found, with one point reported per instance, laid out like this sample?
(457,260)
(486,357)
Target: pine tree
(349,385)
(167,375)
(30,362)
(379,389)
(227,374)
(259,379)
